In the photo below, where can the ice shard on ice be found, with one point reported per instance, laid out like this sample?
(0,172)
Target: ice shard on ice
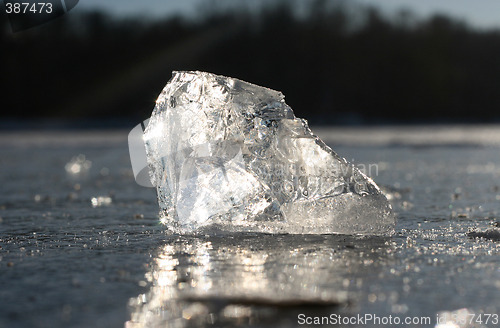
(231,155)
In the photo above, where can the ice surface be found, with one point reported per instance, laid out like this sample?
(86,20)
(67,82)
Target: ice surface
(231,155)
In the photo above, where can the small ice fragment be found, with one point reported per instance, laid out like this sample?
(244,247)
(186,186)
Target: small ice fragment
(229,154)
(101,201)
(78,165)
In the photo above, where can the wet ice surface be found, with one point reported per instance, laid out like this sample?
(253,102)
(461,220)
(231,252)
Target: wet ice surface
(66,261)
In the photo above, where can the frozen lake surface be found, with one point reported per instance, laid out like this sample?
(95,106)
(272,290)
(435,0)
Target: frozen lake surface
(81,245)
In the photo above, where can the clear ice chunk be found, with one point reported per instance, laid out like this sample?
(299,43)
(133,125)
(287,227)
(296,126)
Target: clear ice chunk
(231,155)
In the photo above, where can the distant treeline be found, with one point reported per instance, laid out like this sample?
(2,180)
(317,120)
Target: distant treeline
(332,65)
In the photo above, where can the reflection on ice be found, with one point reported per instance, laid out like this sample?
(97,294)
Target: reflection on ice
(101,201)
(78,165)
(251,279)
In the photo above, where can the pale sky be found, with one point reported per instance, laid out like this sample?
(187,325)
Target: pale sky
(478,13)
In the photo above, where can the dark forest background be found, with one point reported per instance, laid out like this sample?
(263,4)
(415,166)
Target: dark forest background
(333,66)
